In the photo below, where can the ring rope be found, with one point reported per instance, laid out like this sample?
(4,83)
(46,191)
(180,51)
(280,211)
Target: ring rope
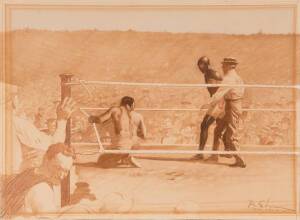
(82,83)
(183,84)
(193,109)
(178,145)
(199,152)
(101,148)
(84,112)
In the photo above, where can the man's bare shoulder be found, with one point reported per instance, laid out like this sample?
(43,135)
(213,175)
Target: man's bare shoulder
(136,115)
(213,74)
(115,109)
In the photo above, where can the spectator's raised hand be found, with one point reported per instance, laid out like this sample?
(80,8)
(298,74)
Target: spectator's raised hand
(65,109)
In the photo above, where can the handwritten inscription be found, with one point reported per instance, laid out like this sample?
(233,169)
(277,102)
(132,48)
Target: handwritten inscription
(265,205)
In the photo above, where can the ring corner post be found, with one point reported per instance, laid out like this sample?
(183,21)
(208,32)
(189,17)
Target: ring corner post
(66,92)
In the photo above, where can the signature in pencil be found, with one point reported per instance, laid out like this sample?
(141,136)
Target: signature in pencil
(265,205)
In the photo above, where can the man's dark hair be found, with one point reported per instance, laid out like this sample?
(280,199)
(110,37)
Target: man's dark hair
(204,60)
(127,100)
(55,149)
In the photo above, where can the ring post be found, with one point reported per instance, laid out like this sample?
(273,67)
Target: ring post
(66,92)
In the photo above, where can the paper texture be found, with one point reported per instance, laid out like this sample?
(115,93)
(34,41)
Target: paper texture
(172,135)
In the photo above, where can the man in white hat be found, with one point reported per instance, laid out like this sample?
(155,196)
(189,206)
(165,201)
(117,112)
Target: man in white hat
(233,109)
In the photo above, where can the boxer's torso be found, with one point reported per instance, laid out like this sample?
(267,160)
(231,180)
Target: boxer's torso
(212,77)
(123,129)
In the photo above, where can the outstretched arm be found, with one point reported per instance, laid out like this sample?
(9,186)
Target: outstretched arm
(31,136)
(222,91)
(101,118)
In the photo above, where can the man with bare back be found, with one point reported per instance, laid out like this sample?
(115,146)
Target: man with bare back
(128,126)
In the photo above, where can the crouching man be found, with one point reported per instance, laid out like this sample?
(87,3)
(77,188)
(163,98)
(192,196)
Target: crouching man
(128,125)
(32,190)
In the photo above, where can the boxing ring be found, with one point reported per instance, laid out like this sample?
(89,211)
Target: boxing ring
(67,83)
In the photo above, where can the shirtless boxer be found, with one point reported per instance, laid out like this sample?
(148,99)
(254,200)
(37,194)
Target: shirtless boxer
(128,126)
(215,112)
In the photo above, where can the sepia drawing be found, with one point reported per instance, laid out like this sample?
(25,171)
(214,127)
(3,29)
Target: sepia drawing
(136,109)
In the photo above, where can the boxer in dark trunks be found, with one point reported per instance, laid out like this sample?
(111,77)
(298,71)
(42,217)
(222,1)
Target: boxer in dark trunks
(214,112)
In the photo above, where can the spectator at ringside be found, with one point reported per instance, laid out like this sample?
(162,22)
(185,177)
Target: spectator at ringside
(29,143)
(32,191)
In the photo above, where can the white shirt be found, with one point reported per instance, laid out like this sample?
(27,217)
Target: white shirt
(30,144)
(40,198)
(229,93)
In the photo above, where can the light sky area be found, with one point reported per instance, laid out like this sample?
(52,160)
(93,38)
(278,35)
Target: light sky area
(232,20)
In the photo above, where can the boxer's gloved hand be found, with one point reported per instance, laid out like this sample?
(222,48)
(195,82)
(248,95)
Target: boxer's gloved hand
(94,119)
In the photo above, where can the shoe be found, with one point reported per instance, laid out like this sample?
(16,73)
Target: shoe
(133,162)
(198,157)
(238,164)
(213,158)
